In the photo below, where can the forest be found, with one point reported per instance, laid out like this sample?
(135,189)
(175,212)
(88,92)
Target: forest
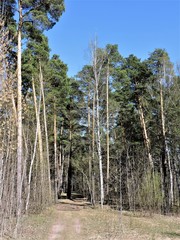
(111,133)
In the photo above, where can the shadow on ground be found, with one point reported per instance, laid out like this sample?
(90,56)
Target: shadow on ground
(77,202)
(73,195)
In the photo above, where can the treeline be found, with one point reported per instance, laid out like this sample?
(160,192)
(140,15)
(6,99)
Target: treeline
(111,133)
(25,154)
(132,136)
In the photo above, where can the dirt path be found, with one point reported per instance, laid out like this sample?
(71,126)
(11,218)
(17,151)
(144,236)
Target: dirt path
(69,220)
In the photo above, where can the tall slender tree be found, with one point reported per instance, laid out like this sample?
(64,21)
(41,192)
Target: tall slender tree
(161,68)
(98,60)
(19,115)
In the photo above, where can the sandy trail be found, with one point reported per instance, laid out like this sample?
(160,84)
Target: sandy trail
(68,224)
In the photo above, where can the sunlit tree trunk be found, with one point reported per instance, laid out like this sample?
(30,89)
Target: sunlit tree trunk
(145,134)
(93,152)
(19,119)
(97,72)
(33,156)
(30,170)
(46,133)
(69,189)
(40,145)
(166,163)
(55,154)
(107,126)
(89,145)
(60,165)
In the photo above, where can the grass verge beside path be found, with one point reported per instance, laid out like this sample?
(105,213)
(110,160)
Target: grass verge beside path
(37,226)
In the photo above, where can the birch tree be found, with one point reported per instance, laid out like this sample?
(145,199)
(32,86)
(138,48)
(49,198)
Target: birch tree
(98,59)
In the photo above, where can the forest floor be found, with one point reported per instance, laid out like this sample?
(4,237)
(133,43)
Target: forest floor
(77,220)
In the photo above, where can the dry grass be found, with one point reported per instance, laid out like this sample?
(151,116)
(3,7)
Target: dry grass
(37,226)
(74,220)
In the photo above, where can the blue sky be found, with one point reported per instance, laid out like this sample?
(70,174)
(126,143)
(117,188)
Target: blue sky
(137,26)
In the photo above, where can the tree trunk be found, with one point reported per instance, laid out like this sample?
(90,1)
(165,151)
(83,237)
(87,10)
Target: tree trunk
(30,170)
(146,138)
(93,153)
(165,157)
(69,189)
(99,145)
(89,147)
(60,166)
(55,155)
(32,160)
(19,120)
(107,127)
(40,145)
(46,133)
(98,62)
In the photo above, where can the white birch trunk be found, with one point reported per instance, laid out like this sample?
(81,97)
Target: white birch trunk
(93,151)
(97,71)
(46,133)
(168,162)
(107,127)
(32,162)
(40,144)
